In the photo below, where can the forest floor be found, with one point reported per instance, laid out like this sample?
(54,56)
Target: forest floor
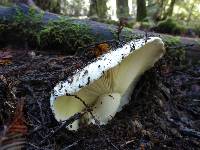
(164,112)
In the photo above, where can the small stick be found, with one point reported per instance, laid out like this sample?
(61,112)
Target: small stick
(71,145)
(96,120)
(63,125)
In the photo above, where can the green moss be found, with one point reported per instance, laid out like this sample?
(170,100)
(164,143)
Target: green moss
(29,30)
(177,55)
(64,34)
(17,34)
(171,40)
(21,29)
(113,31)
(127,34)
(32,16)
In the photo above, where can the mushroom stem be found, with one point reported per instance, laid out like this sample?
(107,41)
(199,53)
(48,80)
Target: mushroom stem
(66,107)
(105,108)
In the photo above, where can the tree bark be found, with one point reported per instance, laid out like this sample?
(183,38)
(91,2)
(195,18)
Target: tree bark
(190,13)
(52,5)
(122,9)
(93,8)
(170,9)
(157,15)
(98,8)
(141,10)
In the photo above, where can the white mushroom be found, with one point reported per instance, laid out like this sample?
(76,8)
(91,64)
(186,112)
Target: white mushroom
(107,83)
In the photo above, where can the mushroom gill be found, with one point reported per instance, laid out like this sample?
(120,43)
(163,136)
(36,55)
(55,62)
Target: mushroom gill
(112,79)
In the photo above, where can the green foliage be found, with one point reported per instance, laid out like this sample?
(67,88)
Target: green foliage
(32,16)
(172,40)
(148,23)
(5,2)
(22,29)
(170,26)
(196,29)
(127,36)
(177,55)
(29,30)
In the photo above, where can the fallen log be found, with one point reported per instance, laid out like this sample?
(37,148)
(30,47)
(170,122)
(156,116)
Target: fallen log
(32,28)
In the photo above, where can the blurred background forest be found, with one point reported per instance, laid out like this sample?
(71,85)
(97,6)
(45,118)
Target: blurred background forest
(179,17)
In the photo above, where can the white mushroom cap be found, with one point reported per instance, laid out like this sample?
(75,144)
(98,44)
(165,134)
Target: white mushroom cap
(107,83)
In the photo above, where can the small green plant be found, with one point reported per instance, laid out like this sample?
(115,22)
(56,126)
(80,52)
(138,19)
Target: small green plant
(22,28)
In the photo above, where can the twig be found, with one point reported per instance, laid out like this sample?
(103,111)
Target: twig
(35,147)
(96,120)
(63,125)
(127,142)
(146,36)
(8,85)
(121,25)
(71,145)
(190,132)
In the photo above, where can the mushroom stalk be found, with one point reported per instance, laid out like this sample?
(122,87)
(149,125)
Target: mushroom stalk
(107,83)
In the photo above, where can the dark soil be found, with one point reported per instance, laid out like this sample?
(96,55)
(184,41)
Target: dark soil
(164,112)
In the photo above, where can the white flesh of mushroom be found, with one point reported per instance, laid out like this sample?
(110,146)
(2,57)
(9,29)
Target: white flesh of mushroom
(111,79)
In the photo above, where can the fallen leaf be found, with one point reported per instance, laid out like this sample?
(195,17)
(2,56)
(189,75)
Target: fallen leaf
(5,58)
(18,125)
(13,135)
(100,49)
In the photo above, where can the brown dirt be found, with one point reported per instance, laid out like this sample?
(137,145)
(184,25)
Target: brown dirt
(164,112)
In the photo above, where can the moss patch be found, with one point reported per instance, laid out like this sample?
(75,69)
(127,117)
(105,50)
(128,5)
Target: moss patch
(127,36)
(171,40)
(177,55)
(64,34)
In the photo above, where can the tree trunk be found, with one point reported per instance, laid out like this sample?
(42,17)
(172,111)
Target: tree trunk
(52,6)
(98,8)
(157,15)
(170,9)
(102,8)
(93,8)
(190,13)
(122,9)
(141,10)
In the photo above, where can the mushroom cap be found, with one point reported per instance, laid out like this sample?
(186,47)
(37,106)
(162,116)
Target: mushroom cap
(114,73)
